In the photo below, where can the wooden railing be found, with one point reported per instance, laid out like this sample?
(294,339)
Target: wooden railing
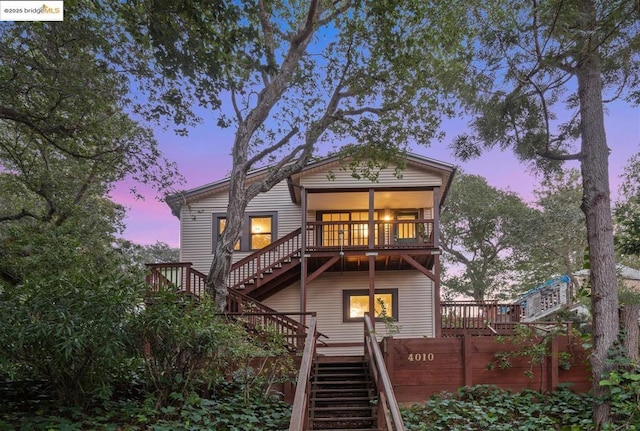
(389,417)
(477,314)
(355,234)
(184,279)
(179,276)
(276,254)
(300,409)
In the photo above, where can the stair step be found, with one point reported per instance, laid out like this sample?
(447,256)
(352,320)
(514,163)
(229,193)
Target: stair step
(347,429)
(344,419)
(336,391)
(342,374)
(338,410)
(341,400)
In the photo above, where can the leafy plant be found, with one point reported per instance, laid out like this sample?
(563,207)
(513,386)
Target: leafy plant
(534,346)
(69,330)
(489,408)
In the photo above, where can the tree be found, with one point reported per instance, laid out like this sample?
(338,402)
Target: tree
(138,255)
(627,212)
(559,235)
(543,71)
(487,232)
(300,75)
(65,139)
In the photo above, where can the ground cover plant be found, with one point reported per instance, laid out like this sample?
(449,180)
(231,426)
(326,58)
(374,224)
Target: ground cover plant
(489,408)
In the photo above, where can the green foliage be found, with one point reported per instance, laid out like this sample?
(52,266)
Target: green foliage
(489,408)
(627,211)
(187,346)
(535,345)
(69,329)
(622,378)
(228,412)
(487,232)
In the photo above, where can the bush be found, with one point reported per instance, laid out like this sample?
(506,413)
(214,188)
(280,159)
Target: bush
(69,330)
(188,347)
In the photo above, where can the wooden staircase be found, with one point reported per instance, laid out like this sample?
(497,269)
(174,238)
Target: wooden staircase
(342,396)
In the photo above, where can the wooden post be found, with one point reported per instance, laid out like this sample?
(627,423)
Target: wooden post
(436,216)
(554,359)
(467,359)
(436,297)
(303,253)
(372,262)
(372,290)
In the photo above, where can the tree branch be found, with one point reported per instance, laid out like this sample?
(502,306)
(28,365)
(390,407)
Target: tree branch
(271,149)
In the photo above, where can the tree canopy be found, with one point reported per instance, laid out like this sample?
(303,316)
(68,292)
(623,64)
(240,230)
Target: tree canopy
(487,231)
(66,137)
(296,78)
(542,73)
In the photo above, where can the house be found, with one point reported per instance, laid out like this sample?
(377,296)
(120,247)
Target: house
(559,293)
(337,247)
(316,254)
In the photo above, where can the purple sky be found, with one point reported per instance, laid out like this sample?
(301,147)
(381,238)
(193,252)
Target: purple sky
(204,157)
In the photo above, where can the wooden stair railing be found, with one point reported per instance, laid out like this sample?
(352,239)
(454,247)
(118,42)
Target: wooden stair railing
(254,268)
(389,417)
(185,279)
(300,410)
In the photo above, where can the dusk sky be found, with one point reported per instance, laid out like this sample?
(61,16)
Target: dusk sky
(204,157)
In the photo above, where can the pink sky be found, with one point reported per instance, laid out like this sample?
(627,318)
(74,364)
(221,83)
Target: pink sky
(204,157)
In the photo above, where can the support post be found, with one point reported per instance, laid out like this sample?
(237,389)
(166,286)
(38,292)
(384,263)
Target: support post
(303,253)
(467,359)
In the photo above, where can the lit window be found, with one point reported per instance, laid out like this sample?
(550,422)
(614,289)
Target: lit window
(356,304)
(222,223)
(260,232)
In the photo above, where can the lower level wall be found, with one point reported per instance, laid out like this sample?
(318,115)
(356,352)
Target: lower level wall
(419,368)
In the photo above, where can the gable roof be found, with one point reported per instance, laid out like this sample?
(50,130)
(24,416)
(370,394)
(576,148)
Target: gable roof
(177,200)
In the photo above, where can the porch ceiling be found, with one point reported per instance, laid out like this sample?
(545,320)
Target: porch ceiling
(336,200)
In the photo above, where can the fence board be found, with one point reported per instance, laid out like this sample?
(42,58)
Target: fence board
(422,367)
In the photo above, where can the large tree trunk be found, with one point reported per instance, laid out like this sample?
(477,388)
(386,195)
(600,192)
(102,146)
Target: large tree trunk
(217,279)
(629,315)
(596,205)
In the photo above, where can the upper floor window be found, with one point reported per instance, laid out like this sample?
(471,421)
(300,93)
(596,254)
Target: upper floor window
(258,231)
(260,228)
(222,223)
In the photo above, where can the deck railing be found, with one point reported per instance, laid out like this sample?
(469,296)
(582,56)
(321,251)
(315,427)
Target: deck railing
(478,315)
(355,234)
(300,409)
(178,276)
(389,417)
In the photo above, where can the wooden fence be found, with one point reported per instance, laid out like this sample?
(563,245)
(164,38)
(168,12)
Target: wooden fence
(421,367)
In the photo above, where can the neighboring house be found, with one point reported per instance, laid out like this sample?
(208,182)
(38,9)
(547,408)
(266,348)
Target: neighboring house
(336,247)
(559,293)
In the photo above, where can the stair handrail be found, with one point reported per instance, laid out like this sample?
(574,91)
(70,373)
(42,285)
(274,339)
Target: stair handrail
(249,267)
(196,281)
(300,410)
(387,398)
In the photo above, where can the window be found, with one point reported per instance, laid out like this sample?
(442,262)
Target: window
(258,230)
(356,302)
(222,223)
(406,226)
(353,232)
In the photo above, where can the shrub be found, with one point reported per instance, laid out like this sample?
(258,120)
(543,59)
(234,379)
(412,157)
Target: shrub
(69,330)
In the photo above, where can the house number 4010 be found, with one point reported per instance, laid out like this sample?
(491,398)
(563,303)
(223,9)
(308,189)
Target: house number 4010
(420,357)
